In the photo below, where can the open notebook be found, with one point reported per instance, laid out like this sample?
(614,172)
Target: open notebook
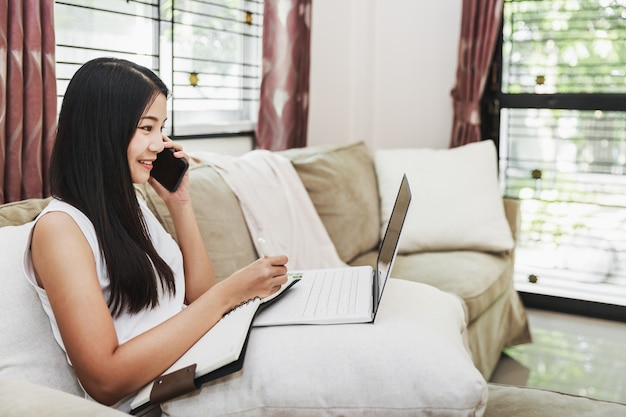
(341,295)
(219,352)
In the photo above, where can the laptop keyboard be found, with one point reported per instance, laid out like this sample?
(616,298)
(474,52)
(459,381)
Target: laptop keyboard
(337,298)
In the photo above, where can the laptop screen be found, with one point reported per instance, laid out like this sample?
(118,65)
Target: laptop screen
(389,244)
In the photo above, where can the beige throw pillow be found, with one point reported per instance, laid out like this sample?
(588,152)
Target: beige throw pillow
(341,181)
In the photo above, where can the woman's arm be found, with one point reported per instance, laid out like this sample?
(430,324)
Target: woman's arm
(65,268)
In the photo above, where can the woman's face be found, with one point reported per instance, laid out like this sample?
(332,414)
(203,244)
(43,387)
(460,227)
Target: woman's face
(147,141)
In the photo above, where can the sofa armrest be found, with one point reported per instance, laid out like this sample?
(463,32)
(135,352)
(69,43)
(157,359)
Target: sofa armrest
(512,212)
(20,398)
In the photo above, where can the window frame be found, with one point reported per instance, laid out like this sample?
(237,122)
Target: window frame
(494,99)
(492,103)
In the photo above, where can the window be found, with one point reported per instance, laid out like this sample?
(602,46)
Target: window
(207,51)
(556,104)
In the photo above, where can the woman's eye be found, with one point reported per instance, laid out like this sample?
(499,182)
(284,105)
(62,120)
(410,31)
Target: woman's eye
(146,128)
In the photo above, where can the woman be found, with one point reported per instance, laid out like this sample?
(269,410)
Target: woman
(124,300)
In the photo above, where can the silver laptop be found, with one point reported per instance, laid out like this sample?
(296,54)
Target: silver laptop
(340,295)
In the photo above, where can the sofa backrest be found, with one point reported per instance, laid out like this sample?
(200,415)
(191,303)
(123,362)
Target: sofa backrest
(20,212)
(341,181)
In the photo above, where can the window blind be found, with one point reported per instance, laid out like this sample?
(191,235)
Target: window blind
(208,52)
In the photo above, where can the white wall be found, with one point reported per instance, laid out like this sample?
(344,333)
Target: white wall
(382,71)
(227,146)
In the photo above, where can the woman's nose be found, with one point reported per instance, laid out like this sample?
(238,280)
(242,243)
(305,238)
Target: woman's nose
(156,144)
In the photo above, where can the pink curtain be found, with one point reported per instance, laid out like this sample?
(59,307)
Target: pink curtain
(284,104)
(480,25)
(28,94)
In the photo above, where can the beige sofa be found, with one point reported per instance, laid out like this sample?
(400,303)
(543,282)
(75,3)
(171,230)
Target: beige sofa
(342,184)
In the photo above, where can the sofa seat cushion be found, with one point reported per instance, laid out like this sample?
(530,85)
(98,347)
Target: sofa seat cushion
(341,182)
(28,350)
(478,278)
(411,362)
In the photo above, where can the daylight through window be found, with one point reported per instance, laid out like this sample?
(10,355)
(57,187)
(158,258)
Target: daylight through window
(557,106)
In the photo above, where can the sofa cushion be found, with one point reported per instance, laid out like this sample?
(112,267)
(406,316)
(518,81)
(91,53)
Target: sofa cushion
(457,203)
(219,218)
(20,212)
(28,350)
(276,206)
(493,310)
(341,181)
(479,278)
(412,361)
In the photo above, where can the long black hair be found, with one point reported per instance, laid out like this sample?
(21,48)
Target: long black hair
(101,109)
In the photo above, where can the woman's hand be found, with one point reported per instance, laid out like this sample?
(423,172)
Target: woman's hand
(182,194)
(261,278)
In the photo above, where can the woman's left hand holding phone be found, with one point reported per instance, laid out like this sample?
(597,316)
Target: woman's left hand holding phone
(181,194)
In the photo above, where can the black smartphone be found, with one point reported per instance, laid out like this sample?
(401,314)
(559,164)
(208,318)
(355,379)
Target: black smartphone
(169,170)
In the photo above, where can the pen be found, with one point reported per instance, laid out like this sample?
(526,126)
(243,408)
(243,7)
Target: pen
(263,244)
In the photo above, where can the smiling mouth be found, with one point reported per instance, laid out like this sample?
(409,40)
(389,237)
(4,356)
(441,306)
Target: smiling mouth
(147,164)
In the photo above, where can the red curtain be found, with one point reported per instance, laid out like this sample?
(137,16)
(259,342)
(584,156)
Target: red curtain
(480,25)
(28,94)
(284,104)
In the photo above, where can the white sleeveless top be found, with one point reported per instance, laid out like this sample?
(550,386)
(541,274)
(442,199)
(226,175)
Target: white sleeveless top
(126,325)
